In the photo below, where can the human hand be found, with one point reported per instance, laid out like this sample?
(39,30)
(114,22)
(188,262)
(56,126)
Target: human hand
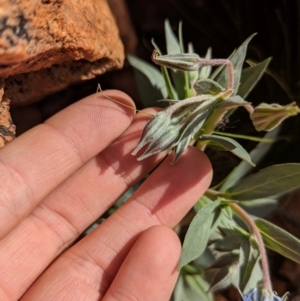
(59,177)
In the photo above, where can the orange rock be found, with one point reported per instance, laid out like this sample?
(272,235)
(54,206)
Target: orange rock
(7,128)
(46,45)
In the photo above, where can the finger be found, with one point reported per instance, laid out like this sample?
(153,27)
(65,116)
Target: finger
(163,199)
(58,220)
(150,270)
(37,161)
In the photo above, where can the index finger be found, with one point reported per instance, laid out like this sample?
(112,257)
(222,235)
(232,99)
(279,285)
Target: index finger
(40,159)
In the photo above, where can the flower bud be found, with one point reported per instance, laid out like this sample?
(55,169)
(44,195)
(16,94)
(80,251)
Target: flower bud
(266,117)
(153,129)
(181,61)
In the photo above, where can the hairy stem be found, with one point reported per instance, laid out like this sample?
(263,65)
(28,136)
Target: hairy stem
(219,62)
(261,247)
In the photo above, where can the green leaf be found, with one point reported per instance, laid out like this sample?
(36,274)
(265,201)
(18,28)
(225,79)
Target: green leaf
(205,72)
(207,86)
(178,80)
(279,240)
(179,292)
(169,87)
(234,102)
(204,200)
(224,277)
(149,80)
(250,77)
(225,260)
(199,231)
(196,289)
(250,271)
(259,207)
(257,154)
(267,182)
(216,73)
(229,243)
(173,47)
(230,145)
(205,260)
(237,60)
(172,43)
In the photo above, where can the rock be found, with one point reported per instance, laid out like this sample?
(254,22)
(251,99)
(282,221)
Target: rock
(49,44)
(7,128)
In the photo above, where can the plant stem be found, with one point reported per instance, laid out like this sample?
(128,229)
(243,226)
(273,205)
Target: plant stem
(212,194)
(261,247)
(210,125)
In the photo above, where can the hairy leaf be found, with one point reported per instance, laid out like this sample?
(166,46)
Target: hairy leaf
(149,80)
(279,240)
(267,182)
(207,86)
(230,145)
(199,231)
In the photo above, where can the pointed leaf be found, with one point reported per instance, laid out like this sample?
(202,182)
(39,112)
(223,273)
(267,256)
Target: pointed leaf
(172,42)
(197,288)
(154,129)
(205,71)
(237,60)
(279,240)
(224,277)
(230,145)
(165,141)
(169,87)
(198,233)
(180,148)
(229,243)
(257,154)
(234,102)
(149,80)
(267,182)
(227,259)
(251,76)
(249,262)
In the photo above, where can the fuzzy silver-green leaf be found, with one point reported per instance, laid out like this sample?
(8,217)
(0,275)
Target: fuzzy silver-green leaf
(279,240)
(270,181)
(198,233)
